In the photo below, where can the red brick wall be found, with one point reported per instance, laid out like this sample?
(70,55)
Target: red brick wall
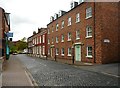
(108,30)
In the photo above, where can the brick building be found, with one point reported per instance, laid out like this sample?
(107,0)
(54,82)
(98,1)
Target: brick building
(4,29)
(89,32)
(37,43)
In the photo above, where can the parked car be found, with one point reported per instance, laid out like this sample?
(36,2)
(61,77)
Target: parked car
(14,53)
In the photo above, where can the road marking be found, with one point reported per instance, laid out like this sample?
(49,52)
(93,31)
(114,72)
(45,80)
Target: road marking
(31,79)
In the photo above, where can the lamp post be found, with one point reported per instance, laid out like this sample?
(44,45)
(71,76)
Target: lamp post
(72,52)
(55,53)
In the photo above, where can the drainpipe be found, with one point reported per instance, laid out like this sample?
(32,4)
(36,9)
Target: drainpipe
(94,36)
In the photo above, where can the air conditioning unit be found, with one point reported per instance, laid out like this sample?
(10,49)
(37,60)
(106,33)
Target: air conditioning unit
(61,12)
(55,16)
(73,4)
(51,18)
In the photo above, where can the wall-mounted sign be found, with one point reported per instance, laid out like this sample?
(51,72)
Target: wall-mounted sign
(9,34)
(106,41)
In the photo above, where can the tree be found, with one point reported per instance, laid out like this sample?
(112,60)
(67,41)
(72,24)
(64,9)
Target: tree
(18,46)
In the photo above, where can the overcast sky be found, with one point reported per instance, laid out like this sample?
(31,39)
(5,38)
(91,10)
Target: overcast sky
(27,15)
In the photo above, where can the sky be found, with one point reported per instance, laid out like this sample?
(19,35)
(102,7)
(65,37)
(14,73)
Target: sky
(27,16)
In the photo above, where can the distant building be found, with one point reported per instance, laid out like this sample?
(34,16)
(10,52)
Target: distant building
(37,43)
(89,32)
(4,29)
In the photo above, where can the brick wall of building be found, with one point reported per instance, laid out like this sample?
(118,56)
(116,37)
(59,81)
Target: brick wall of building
(73,28)
(104,23)
(106,29)
(34,43)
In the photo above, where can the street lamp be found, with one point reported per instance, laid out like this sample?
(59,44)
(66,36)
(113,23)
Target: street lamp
(72,52)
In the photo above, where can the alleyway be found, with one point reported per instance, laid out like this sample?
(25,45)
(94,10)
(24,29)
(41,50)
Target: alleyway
(51,73)
(15,74)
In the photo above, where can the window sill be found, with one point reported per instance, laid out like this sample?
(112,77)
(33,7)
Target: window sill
(88,17)
(69,55)
(88,37)
(89,56)
(77,22)
(77,38)
(69,25)
(69,40)
(62,54)
(62,41)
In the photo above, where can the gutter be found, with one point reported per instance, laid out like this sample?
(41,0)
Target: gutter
(94,36)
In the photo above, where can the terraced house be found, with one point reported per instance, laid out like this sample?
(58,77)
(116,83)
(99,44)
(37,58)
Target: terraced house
(89,32)
(4,29)
(37,45)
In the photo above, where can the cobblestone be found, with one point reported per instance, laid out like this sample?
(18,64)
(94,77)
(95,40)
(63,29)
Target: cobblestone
(51,73)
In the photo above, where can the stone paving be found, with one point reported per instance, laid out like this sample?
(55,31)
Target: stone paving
(14,74)
(51,73)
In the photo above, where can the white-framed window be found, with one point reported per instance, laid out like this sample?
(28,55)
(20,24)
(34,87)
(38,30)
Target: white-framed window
(48,51)
(48,31)
(89,51)
(37,40)
(62,52)
(56,39)
(62,26)
(69,51)
(43,39)
(89,12)
(77,17)
(57,25)
(88,31)
(48,41)
(77,34)
(40,39)
(43,50)
(40,50)
(69,21)
(52,40)
(69,36)
(33,41)
(52,29)
(57,51)
(62,38)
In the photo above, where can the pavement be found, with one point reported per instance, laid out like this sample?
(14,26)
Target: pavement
(15,74)
(111,69)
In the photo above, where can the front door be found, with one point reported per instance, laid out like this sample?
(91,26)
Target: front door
(77,53)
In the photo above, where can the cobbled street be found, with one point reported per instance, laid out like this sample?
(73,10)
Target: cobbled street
(51,73)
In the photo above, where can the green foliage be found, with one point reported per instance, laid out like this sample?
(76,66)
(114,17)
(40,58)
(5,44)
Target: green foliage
(18,46)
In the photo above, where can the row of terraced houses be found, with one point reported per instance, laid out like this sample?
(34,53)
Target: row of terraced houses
(88,32)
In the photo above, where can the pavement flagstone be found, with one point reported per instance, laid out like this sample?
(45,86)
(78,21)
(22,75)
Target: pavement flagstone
(15,74)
